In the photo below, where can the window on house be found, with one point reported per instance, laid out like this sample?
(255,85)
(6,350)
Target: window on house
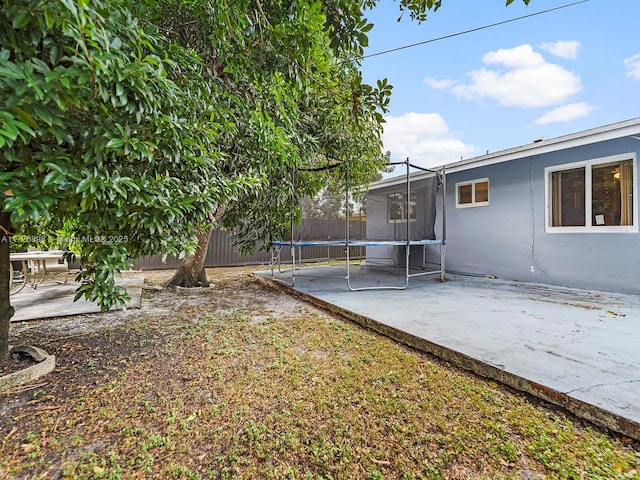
(472,194)
(592,196)
(399,210)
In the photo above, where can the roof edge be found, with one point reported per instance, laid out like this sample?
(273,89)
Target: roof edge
(585,137)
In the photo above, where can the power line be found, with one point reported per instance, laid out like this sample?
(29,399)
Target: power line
(472,30)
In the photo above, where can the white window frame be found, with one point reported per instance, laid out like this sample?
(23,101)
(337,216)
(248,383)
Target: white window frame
(405,210)
(473,203)
(588,164)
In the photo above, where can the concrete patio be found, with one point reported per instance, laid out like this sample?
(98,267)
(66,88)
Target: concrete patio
(574,348)
(52,299)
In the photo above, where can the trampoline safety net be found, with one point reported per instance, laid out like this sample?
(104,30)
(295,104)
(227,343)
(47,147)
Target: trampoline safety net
(393,226)
(388,211)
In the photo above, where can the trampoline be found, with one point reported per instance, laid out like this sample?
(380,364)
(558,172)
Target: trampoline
(347,244)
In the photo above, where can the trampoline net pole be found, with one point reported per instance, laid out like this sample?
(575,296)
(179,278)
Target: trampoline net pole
(408,215)
(443,245)
(293,207)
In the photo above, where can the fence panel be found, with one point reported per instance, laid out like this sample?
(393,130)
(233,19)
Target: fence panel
(221,252)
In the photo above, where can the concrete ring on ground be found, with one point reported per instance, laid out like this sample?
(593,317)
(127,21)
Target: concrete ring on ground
(192,290)
(46,364)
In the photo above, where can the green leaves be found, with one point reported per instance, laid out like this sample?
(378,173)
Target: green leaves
(10,70)
(20,17)
(115,143)
(86,184)
(95,131)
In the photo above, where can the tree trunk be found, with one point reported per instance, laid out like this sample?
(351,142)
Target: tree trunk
(6,310)
(192,273)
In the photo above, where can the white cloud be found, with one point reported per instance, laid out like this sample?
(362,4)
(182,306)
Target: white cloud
(633,66)
(522,56)
(525,80)
(424,138)
(439,84)
(564,48)
(566,113)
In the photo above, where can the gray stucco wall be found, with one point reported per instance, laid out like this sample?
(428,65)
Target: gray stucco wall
(507,238)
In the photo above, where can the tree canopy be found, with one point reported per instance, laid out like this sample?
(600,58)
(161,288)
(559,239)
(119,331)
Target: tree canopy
(130,123)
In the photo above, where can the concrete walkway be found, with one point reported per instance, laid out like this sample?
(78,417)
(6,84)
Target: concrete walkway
(574,348)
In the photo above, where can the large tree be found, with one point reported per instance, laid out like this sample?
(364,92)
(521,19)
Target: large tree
(140,125)
(301,104)
(98,129)
(320,113)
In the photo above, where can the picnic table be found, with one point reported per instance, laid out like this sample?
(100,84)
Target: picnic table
(34,267)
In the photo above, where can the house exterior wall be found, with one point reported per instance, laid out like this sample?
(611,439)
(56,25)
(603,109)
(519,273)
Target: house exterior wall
(507,238)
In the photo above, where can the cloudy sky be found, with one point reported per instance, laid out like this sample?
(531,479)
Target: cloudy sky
(548,75)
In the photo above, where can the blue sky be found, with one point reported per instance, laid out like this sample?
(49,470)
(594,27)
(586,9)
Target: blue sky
(545,76)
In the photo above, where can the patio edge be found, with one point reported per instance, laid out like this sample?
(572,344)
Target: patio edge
(583,410)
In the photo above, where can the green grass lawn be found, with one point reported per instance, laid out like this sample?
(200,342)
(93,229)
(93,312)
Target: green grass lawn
(245,382)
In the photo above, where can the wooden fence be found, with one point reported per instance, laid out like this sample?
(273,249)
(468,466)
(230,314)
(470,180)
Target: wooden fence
(221,252)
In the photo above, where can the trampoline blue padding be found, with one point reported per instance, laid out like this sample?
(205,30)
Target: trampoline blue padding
(297,245)
(353,243)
